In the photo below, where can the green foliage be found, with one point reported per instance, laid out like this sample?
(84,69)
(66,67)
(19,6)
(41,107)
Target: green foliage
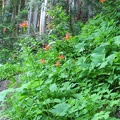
(73,78)
(7,71)
(22,15)
(59,21)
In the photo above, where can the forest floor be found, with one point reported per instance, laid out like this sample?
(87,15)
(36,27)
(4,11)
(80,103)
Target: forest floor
(3,86)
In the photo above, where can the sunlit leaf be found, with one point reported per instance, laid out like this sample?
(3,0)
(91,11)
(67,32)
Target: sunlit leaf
(117,40)
(80,47)
(111,58)
(53,87)
(4,93)
(97,59)
(60,109)
(103,64)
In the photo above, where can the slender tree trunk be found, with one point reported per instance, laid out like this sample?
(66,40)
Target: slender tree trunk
(3,5)
(43,18)
(29,18)
(71,13)
(6,4)
(35,16)
(90,12)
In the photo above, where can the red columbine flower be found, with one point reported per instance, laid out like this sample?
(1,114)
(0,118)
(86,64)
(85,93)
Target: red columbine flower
(57,63)
(23,24)
(42,61)
(102,1)
(67,36)
(47,47)
(61,57)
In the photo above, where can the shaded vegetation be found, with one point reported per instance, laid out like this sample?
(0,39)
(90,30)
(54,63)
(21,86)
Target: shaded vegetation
(67,76)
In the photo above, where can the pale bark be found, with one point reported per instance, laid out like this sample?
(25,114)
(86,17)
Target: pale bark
(90,12)
(43,18)
(72,3)
(3,5)
(6,4)
(35,16)
(29,18)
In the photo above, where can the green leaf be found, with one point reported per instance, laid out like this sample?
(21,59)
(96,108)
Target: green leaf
(25,85)
(114,102)
(117,40)
(101,116)
(100,49)
(53,87)
(111,58)
(110,79)
(97,59)
(80,47)
(63,75)
(81,60)
(103,64)
(56,100)
(4,93)
(60,109)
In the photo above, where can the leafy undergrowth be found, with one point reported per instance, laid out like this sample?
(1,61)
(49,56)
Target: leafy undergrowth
(8,70)
(74,78)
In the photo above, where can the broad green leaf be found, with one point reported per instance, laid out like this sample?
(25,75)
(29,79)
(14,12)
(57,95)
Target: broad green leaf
(117,40)
(103,64)
(63,75)
(29,102)
(111,58)
(4,93)
(101,116)
(110,80)
(114,102)
(48,101)
(53,87)
(56,100)
(81,60)
(22,87)
(100,49)
(60,109)
(65,86)
(80,47)
(97,59)
(81,63)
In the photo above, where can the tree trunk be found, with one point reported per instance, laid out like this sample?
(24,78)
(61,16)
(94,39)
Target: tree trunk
(3,5)
(90,12)
(29,18)
(43,18)
(6,4)
(35,16)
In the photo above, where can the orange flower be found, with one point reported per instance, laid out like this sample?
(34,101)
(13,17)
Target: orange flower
(23,24)
(57,63)
(61,57)
(102,1)
(67,36)
(47,47)
(42,61)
